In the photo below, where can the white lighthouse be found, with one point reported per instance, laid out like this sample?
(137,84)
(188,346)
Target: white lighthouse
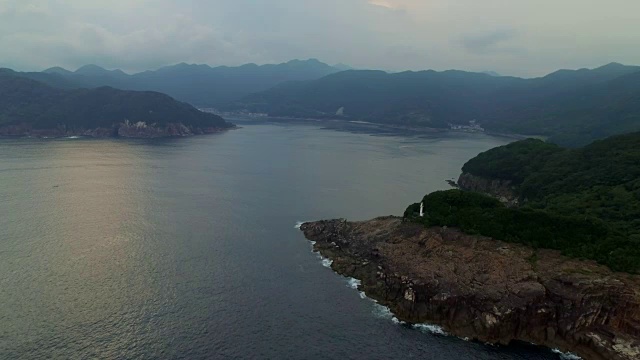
(422,209)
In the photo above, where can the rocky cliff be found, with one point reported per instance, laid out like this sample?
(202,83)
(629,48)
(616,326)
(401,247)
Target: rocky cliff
(502,190)
(485,289)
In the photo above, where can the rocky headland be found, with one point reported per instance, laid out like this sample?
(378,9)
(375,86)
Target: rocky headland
(484,289)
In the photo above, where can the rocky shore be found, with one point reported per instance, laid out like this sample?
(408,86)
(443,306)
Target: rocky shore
(484,289)
(125,129)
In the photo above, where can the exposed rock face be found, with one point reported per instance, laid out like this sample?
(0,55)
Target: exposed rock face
(142,130)
(486,289)
(500,189)
(133,130)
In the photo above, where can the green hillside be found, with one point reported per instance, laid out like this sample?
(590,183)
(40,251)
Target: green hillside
(26,101)
(585,202)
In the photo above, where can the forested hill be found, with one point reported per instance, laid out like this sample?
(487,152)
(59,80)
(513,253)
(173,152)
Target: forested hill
(199,85)
(26,104)
(426,98)
(591,110)
(572,107)
(585,202)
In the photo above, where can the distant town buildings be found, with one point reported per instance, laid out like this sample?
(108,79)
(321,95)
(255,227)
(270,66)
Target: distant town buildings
(472,127)
(234,113)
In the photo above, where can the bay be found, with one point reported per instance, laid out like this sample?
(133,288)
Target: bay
(187,248)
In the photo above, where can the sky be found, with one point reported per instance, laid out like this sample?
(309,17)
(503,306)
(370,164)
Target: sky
(512,37)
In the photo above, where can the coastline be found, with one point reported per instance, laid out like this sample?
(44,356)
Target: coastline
(172,130)
(483,289)
(344,124)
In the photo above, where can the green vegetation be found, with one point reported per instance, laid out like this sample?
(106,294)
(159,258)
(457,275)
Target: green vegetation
(584,202)
(514,162)
(575,236)
(573,108)
(425,98)
(578,116)
(26,101)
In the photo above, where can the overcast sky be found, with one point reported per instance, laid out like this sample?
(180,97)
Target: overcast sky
(514,37)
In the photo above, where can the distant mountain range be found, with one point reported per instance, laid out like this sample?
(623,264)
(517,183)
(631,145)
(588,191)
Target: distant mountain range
(33,108)
(572,107)
(199,85)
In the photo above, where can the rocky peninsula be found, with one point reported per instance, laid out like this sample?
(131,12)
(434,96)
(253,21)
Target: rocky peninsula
(480,288)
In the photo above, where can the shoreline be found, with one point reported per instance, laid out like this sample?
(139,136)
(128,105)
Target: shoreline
(467,297)
(171,131)
(404,130)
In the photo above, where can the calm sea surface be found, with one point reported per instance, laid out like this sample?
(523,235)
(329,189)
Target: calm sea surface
(186,249)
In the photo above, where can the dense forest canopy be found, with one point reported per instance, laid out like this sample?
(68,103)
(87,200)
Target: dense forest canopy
(585,202)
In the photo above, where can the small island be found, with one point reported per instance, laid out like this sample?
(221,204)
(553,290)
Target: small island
(540,244)
(32,108)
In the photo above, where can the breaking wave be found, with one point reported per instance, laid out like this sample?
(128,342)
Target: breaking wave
(384,312)
(381,311)
(567,355)
(431,329)
(354,283)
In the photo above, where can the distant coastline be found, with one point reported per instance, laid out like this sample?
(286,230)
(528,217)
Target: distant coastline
(344,124)
(122,130)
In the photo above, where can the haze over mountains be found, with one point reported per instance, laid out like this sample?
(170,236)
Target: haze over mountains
(200,85)
(571,107)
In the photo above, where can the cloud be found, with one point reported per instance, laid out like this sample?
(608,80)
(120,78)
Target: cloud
(42,38)
(383,3)
(496,41)
(388,34)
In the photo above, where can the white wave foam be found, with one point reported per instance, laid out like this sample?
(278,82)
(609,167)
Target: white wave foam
(354,283)
(299,224)
(567,355)
(382,312)
(73,137)
(431,329)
